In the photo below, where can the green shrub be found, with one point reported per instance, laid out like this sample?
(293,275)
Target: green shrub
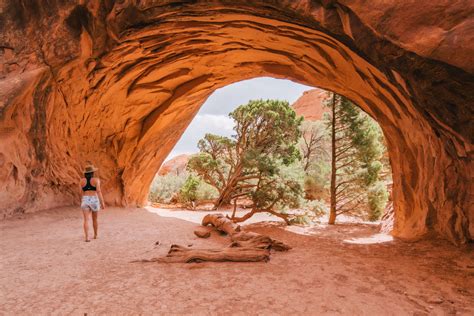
(173,188)
(315,187)
(189,190)
(206,192)
(165,188)
(377,199)
(301,219)
(318,208)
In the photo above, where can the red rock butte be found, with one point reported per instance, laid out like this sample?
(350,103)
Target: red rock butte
(175,165)
(117,83)
(311,104)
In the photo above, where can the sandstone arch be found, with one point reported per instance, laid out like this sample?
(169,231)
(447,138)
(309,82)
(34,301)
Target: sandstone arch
(117,82)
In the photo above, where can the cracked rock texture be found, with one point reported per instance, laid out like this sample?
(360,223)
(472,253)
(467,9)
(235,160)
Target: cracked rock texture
(117,83)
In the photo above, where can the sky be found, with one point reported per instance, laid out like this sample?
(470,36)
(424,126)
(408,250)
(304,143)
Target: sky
(213,115)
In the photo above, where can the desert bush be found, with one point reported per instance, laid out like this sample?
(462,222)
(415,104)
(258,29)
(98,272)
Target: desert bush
(304,218)
(188,192)
(172,188)
(164,188)
(377,196)
(318,208)
(206,192)
(316,186)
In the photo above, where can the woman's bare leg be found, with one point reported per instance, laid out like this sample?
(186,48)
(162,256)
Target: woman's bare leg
(95,224)
(86,213)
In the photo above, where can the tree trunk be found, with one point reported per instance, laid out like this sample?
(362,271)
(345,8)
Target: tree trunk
(225,194)
(235,209)
(221,223)
(245,217)
(254,211)
(332,214)
(222,199)
(232,253)
(245,246)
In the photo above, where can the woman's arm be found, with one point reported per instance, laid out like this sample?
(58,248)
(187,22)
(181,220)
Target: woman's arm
(99,192)
(81,184)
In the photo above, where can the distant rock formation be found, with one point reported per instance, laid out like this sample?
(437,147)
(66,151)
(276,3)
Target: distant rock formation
(176,165)
(311,104)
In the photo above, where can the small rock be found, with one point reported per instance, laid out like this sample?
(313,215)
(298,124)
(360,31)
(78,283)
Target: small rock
(157,243)
(202,233)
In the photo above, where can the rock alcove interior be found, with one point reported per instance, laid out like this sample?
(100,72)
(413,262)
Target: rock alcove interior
(117,83)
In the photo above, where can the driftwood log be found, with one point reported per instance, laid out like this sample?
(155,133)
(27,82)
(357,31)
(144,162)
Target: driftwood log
(231,253)
(221,223)
(244,246)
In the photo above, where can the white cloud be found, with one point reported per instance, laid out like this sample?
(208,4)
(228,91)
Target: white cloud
(213,115)
(202,124)
(216,124)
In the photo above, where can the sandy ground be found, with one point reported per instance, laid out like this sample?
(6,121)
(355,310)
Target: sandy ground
(47,268)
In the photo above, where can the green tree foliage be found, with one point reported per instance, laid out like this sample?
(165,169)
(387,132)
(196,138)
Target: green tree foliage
(168,188)
(189,190)
(316,185)
(214,162)
(356,164)
(165,188)
(377,199)
(252,163)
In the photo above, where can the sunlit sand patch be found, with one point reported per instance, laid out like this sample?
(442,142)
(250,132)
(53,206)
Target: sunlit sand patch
(265,219)
(190,216)
(196,216)
(305,230)
(374,239)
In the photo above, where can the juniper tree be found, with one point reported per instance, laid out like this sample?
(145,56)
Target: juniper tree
(356,151)
(250,163)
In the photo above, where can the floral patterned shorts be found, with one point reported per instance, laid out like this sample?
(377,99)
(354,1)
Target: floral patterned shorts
(90,202)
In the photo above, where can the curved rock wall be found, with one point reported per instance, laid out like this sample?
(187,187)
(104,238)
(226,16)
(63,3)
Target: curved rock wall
(117,83)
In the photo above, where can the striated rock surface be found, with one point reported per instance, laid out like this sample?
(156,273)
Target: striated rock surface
(311,104)
(175,165)
(117,82)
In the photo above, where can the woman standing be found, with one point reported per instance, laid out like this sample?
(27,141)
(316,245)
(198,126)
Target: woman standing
(92,199)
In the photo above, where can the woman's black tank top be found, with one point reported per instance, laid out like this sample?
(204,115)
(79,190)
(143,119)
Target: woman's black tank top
(88,186)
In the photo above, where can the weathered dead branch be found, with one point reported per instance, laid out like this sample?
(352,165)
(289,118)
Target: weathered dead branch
(245,246)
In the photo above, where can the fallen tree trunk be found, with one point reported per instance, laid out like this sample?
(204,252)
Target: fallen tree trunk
(221,223)
(232,253)
(255,240)
(245,246)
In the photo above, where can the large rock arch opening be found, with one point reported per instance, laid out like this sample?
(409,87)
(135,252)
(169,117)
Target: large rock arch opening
(117,84)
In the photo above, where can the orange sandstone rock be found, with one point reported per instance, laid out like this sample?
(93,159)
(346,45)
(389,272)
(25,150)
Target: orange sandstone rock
(117,82)
(175,165)
(311,104)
